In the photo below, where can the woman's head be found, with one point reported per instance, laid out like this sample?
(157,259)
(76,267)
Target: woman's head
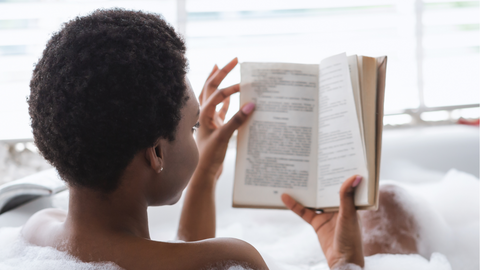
(107,86)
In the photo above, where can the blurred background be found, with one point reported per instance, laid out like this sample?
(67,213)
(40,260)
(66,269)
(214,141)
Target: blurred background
(433,74)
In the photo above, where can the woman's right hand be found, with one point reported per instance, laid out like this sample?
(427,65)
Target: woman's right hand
(338,233)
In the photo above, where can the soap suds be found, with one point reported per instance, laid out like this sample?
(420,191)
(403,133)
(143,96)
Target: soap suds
(447,211)
(16,253)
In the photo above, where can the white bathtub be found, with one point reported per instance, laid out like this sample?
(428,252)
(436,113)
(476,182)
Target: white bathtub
(416,155)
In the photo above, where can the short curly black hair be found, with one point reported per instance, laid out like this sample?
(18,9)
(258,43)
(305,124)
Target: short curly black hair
(107,86)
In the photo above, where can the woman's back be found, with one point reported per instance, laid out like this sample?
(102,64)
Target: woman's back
(48,228)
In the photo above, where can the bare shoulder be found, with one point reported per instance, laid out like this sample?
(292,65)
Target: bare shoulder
(45,216)
(216,253)
(230,250)
(42,221)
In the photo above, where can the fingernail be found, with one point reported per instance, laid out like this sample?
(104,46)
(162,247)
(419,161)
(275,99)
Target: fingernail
(247,109)
(357,181)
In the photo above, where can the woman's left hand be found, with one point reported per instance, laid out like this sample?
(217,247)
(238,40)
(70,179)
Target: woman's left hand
(338,233)
(197,221)
(213,135)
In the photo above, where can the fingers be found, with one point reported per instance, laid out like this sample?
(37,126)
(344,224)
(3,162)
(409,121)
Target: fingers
(348,226)
(214,70)
(347,202)
(237,120)
(202,98)
(305,213)
(218,97)
(223,111)
(317,221)
(214,81)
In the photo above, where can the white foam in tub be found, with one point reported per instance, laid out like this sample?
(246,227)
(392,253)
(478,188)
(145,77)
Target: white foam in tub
(448,210)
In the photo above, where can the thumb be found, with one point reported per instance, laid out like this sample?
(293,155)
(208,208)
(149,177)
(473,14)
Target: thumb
(347,191)
(237,120)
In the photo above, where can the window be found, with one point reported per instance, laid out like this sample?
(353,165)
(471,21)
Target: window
(25,27)
(432,45)
(451,58)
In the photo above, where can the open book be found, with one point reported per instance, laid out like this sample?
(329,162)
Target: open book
(313,127)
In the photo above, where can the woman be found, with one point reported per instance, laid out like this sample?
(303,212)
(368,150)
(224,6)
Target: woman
(113,112)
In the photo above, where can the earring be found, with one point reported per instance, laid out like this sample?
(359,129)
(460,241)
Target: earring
(161,169)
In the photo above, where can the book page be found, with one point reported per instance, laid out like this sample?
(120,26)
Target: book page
(276,148)
(355,79)
(368,82)
(340,151)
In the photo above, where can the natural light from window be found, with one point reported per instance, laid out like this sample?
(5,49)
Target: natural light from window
(433,47)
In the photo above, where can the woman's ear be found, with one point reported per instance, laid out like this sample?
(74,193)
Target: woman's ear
(154,157)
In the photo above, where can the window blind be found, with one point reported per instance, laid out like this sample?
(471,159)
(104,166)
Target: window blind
(451,53)
(433,45)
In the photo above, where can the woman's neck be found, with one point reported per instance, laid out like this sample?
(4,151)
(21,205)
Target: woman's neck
(120,212)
